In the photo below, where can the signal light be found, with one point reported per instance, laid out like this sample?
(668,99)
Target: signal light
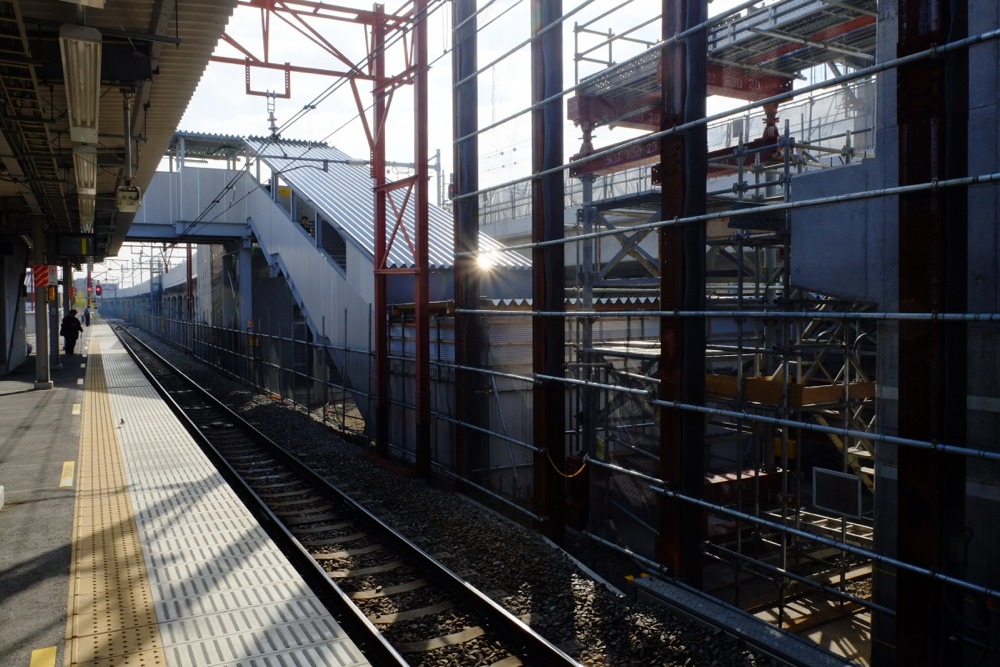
(98,290)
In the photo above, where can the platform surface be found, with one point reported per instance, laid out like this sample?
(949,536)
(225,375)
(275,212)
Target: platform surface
(39,435)
(160,562)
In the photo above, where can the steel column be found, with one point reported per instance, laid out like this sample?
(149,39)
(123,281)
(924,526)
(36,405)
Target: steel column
(933,237)
(548,279)
(382,407)
(189,288)
(244,269)
(682,286)
(470,454)
(422,306)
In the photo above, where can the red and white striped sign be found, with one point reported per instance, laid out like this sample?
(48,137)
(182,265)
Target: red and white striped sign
(44,275)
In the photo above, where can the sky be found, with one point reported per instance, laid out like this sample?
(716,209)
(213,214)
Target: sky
(220,103)
(504,89)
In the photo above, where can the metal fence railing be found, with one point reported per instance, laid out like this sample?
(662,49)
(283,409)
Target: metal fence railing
(313,377)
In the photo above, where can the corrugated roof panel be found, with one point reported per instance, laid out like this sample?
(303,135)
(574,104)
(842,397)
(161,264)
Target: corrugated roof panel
(340,187)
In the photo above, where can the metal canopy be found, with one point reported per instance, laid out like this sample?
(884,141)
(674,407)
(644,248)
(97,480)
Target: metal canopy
(340,187)
(159,48)
(201,145)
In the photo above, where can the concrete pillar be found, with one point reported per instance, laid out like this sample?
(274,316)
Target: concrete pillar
(43,378)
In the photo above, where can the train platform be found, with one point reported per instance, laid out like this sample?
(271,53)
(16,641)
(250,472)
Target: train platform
(121,545)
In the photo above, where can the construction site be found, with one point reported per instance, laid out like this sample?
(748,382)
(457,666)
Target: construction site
(736,321)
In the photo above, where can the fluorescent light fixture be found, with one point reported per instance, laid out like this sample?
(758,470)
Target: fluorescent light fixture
(96,4)
(80,47)
(85,167)
(87,204)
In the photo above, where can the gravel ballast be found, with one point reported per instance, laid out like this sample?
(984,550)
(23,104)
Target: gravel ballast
(530,577)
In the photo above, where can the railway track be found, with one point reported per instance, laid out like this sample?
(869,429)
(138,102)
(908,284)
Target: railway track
(401,605)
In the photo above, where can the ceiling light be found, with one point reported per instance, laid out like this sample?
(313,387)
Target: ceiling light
(85,166)
(80,47)
(88,204)
(96,4)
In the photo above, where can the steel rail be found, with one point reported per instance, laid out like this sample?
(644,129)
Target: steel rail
(520,636)
(361,630)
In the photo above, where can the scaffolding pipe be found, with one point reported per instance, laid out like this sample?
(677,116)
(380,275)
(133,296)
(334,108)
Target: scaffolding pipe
(760,314)
(847,433)
(957,450)
(965,181)
(521,443)
(484,371)
(538,518)
(878,68)
(799,578)
(673,39)
(830,542)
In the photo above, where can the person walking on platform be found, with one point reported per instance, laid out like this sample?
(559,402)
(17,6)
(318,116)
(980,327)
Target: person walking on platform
(86,316)
(70,330)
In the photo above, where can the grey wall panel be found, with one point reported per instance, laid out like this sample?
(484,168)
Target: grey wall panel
(829,242)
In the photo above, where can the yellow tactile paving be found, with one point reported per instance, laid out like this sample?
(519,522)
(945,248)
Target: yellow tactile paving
(111,619)
(43,657)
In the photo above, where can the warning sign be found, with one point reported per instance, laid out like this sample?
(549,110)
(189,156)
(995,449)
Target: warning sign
(44,275)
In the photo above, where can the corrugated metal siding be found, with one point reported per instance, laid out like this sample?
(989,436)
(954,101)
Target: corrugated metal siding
(342,191)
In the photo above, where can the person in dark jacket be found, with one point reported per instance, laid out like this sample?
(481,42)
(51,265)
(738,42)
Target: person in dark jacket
(70,330)
(86,316)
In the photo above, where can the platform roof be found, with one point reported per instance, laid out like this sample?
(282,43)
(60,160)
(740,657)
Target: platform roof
(146,45)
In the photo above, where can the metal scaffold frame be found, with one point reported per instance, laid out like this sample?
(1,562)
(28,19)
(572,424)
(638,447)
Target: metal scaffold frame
(802,364)
(676,394)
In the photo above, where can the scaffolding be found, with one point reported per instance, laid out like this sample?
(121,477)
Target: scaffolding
(686,385)
(781,427)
